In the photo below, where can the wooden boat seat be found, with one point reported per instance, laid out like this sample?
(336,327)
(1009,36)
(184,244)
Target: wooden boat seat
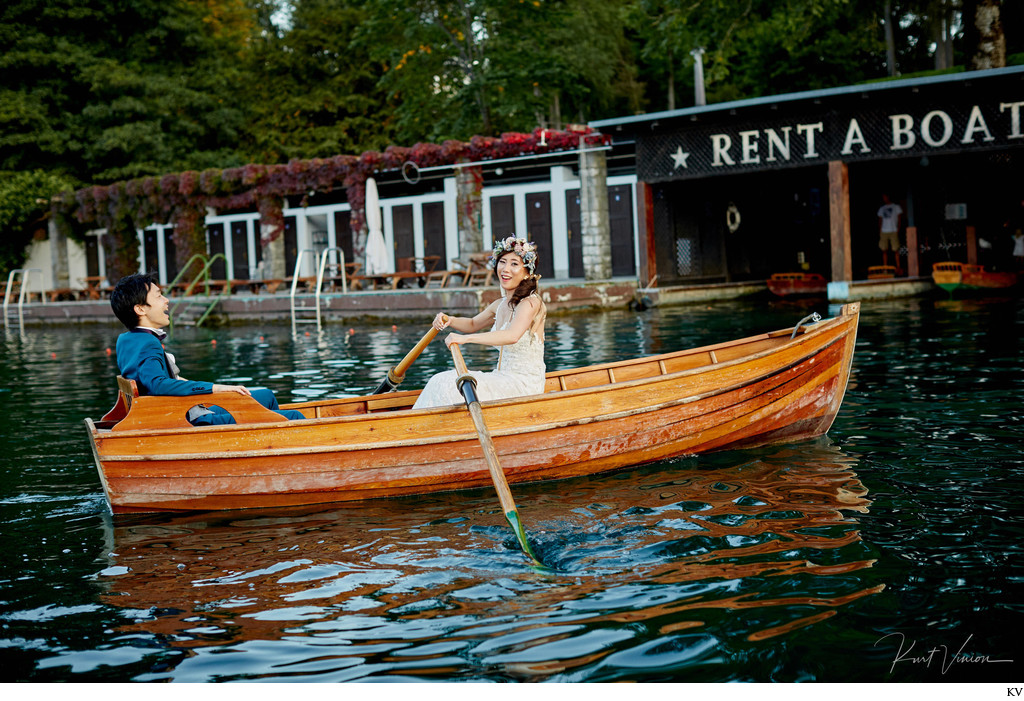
(129,390)
(136,412)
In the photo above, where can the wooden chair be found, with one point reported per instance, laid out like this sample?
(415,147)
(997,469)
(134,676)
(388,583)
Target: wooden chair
(413,268)
(438,278)
(480,273)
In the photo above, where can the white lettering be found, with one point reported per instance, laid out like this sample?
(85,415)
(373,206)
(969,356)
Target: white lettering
(774,142)
(976,123)
(926,128)
(854,136)
(902,131)
(1014,118)
(748,145)
(809,130)
(720,145)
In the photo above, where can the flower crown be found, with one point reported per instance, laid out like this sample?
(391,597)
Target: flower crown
(527,250)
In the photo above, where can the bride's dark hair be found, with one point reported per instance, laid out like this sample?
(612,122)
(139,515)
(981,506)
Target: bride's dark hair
(526,288)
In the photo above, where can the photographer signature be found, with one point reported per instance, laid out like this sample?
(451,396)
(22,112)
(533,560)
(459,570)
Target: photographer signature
(939,653)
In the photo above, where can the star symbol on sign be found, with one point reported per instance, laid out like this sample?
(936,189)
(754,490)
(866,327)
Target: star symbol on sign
(680,158)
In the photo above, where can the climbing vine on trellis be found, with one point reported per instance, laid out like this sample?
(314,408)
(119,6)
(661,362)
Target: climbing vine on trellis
(183,198)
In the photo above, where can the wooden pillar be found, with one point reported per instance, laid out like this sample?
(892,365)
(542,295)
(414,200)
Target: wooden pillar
(913,264)
(839,220)
(645,232)
(972,245)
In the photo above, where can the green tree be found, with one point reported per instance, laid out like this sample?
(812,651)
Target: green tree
(105,91)
(455,68)
(312,93)
(756,47)
(24,203)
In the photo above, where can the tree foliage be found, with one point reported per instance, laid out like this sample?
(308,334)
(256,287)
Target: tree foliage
(311,91)
(24,203)
(104,91)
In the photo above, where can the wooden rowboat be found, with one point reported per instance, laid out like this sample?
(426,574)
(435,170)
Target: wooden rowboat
(797,284)
(781,386)
(952,275)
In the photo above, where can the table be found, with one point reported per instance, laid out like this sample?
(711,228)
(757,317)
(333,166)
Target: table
(93,285)
(203,287)
(63,294)
(375,281)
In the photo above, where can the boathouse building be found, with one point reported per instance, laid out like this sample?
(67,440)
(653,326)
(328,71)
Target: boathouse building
(722,193)
(741,190)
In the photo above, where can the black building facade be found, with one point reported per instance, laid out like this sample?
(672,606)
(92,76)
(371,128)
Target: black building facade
(741,190)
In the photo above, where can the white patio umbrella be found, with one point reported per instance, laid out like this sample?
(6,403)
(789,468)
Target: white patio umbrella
(378,261)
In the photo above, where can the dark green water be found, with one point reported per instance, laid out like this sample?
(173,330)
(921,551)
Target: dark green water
(848,558)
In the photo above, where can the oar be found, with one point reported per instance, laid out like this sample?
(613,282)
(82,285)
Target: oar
(467,386)
(397,373)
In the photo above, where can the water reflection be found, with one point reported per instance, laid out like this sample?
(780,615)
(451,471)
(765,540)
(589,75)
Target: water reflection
(658,568)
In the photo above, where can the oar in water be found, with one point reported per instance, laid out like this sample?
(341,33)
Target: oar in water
(397,373)
(467,386)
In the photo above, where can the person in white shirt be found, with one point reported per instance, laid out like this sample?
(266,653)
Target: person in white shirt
(889,229)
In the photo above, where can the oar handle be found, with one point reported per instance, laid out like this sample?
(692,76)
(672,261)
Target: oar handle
(410,357)
(460,363)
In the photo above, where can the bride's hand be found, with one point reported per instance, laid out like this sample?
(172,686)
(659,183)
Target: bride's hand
(441,321)
(456,338)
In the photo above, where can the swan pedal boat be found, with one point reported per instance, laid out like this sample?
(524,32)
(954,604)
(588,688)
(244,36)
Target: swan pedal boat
(776,387)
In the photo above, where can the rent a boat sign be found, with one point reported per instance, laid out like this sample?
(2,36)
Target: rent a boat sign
(833,135)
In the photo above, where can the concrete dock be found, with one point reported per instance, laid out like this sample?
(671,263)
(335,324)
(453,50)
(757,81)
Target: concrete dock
(563,297)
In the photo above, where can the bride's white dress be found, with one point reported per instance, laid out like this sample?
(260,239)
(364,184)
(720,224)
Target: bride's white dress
(520,370)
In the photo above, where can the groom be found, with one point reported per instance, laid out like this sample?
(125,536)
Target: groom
(140,305)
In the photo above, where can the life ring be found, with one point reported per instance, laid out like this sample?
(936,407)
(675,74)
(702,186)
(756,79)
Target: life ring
(732,218)
(415,177)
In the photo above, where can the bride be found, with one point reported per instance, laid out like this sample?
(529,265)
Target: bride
(518,331)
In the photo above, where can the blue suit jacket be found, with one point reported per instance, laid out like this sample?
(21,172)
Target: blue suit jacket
(140,357)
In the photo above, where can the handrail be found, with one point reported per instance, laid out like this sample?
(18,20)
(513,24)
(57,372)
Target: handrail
(184,269)
(295,285)
(25,277)
(320,277)
(203,274)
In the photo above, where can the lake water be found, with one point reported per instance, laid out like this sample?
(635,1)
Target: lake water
(847,558)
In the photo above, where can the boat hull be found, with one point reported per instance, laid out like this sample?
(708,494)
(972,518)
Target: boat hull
(963,276)
(757,391)
(797,284)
